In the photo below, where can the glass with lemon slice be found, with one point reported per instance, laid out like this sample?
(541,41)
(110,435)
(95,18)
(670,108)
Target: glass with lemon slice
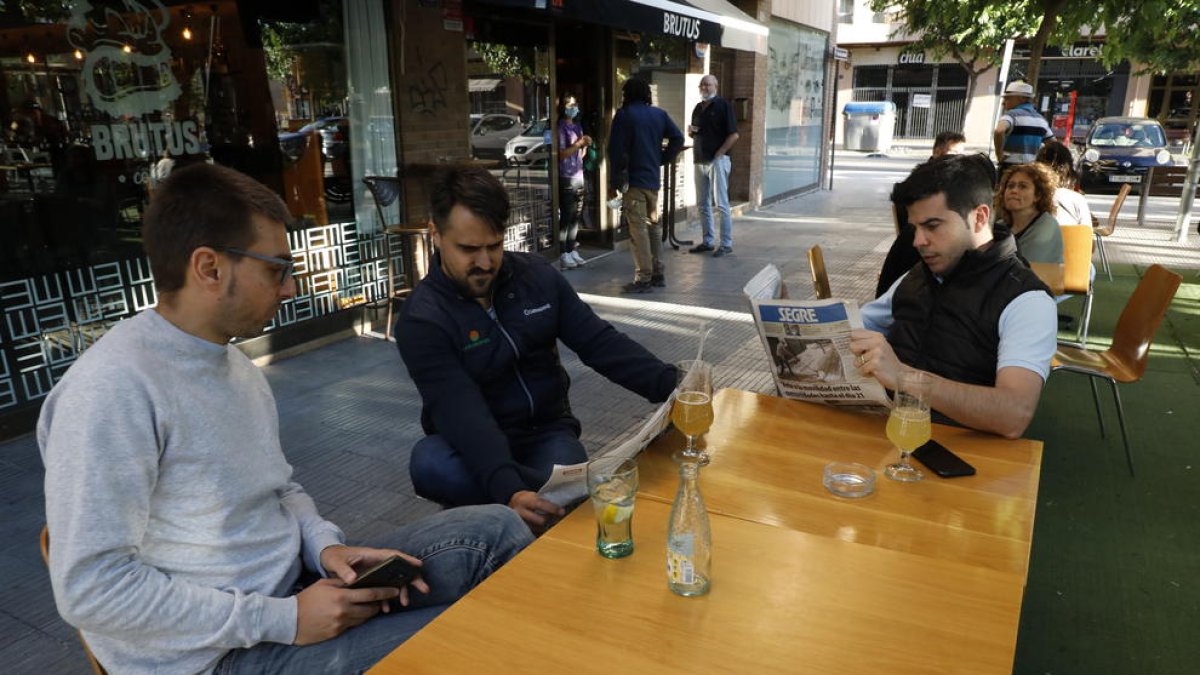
(612,484)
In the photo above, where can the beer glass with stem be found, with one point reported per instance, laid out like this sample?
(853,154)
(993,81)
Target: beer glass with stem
(692,411)
(908,425)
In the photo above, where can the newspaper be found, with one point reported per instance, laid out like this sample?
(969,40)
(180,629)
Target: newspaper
(568,482)
(808,345)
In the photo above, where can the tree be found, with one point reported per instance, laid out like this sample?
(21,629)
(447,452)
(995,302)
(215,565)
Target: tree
(1170,42)
(972,33)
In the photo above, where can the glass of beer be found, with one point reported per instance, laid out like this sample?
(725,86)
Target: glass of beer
(908,424)
(692,411)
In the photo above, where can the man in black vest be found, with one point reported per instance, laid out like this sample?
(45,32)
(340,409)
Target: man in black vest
(971,312)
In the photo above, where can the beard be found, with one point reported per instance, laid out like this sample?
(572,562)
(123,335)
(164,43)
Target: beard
(476,284)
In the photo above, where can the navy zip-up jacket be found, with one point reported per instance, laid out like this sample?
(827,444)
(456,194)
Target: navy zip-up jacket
(483,380)
(635,146)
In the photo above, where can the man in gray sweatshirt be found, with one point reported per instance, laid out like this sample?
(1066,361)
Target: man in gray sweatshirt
(180,542)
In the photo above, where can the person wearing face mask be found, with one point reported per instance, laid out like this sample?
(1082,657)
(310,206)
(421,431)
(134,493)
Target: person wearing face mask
(572,146)
(715,131)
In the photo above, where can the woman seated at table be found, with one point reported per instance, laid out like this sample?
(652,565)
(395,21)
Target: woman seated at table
(1072,205)
(1025,204)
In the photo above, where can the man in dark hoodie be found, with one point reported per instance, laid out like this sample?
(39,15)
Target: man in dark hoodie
(479,336)
(970,312)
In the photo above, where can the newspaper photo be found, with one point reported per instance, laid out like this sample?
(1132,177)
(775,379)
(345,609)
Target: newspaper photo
(808,345)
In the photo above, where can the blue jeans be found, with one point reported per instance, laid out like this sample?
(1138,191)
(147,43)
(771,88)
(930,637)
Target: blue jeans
(439,473)
(460,548)
(713,179)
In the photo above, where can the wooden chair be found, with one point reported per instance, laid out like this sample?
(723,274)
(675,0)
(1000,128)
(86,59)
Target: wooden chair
(1102,231)
(44,540)
(1077,275)
(820,278)
(1125,360)
(385,191)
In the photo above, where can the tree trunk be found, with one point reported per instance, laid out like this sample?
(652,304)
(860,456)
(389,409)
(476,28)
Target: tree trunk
(1050,11)
(1186,200)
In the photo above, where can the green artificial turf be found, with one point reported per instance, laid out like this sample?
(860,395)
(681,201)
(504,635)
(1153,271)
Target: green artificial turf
(1114,578)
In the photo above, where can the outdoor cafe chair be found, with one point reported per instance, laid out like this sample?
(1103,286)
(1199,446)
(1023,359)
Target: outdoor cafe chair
(1105,230)
(385,191)
(820,278)
(1125,361)
(44,540)
(1077,275)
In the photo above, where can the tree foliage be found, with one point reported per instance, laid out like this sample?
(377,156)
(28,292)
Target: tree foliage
(1156,35)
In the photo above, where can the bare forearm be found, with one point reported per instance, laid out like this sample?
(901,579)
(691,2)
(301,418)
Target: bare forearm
(992,409)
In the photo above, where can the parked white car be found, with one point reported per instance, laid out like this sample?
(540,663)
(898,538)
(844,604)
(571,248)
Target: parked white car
(490,134)
(531,146)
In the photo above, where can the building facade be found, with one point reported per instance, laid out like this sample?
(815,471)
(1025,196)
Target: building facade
(102,99)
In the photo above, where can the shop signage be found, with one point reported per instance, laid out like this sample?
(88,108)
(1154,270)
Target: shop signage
(922,100)
(1083,50)
(681,26)
(907,57)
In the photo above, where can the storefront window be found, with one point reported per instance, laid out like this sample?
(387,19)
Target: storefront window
(795,109)
(102,99)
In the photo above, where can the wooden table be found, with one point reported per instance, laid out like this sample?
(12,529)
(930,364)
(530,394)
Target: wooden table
(925,577)
(1051,274)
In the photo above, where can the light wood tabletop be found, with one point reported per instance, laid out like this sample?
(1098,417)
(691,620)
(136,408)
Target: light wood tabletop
(916,578)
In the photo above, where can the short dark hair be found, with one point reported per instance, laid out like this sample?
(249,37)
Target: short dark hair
(636,90)
(202,205)
(966,180)
(473,187)
(948,138)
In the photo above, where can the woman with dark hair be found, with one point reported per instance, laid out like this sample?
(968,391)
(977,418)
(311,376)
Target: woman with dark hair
(1072,205)
(572,146)
(1025,203)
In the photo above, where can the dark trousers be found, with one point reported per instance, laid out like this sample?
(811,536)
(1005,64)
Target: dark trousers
(439,473)
(570,208)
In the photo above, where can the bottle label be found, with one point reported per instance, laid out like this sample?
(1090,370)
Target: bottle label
(679,560)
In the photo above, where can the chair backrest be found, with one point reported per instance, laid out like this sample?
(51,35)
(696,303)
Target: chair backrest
(1115,211)
(1077,257)
(44,541)
(385,190)
(820,278)
(1141,317)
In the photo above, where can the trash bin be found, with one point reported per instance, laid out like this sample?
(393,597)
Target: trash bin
(869,125)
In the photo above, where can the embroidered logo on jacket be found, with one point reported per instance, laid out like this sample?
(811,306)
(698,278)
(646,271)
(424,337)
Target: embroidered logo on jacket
(537,310)
(474,339)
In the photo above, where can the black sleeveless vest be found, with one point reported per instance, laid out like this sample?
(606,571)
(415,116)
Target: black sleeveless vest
(952,328)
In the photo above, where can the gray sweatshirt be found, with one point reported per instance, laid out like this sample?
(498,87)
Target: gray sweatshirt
(176,531)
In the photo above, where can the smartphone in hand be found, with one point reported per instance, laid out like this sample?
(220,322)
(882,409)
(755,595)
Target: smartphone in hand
(941,461)
(395,571)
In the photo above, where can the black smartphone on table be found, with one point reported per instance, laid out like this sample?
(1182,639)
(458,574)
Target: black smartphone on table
(395,571)
(941,461)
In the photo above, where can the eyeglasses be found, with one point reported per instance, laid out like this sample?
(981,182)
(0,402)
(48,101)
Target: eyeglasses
(287,265)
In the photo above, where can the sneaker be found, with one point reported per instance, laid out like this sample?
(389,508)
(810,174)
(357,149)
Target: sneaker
(723,251)
(700,248)
(658,280)
(577,258)
(567,262)
(637,287)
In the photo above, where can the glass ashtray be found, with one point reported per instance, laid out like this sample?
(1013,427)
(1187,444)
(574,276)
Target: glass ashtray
(849,479)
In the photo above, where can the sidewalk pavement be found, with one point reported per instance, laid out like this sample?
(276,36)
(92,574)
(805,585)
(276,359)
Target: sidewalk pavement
(349,413)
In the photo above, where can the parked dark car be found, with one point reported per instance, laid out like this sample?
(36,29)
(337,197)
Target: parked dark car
(1121,150)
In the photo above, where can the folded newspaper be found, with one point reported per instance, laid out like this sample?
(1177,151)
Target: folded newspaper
(808,344)
(568,482)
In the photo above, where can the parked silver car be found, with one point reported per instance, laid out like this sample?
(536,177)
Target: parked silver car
(490,133)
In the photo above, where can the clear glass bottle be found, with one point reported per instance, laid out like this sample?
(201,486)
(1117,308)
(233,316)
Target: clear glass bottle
(689,540)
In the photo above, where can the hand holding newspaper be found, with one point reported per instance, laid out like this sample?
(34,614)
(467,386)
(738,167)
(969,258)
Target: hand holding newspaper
(808,345)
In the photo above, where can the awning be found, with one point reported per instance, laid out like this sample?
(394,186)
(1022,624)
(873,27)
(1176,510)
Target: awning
(713,21)
(477,84)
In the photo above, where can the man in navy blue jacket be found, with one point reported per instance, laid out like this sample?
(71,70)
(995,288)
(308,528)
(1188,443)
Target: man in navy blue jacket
(479,337)
(636,154)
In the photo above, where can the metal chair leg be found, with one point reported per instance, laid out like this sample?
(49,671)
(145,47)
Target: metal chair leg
(1121,418)
(1103,256)
(1081,333)
(1096,400)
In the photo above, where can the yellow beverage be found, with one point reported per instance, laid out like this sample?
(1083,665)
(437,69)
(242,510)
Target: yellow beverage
(692,413)
(908,428)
